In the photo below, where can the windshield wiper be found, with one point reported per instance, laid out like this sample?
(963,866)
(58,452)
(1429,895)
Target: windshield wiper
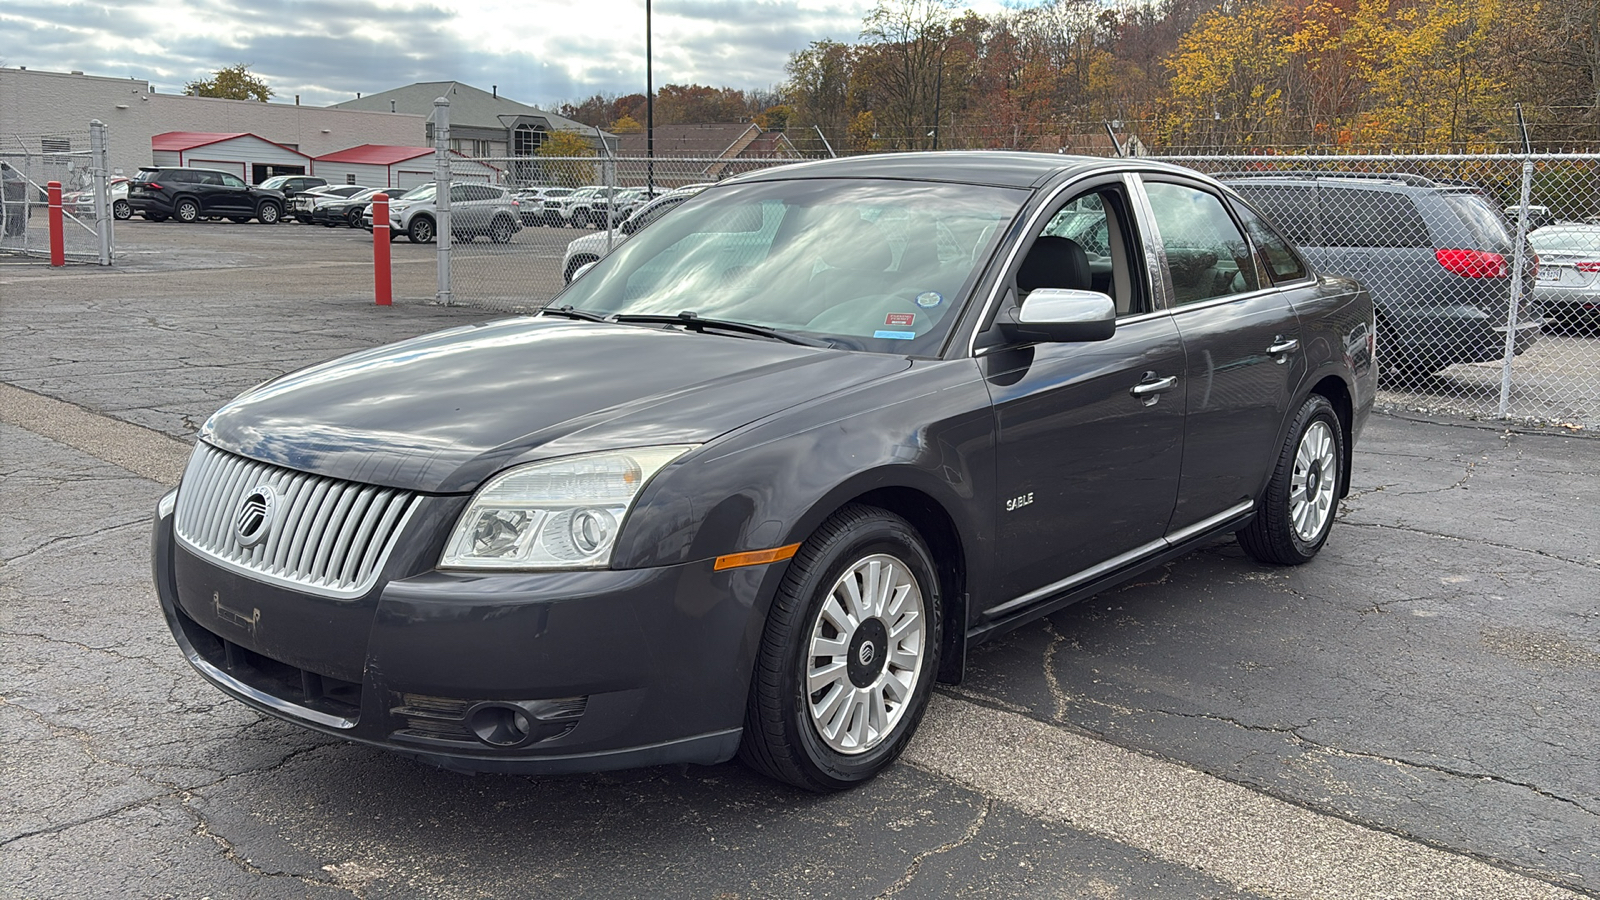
(699,323)
(572,313)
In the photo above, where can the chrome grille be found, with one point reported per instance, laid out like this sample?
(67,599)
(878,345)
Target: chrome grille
(324,535)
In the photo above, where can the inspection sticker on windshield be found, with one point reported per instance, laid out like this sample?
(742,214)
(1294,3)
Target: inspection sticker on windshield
(901,319)
(929,299)
(896,335)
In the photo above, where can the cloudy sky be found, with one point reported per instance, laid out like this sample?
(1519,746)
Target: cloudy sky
(537,51)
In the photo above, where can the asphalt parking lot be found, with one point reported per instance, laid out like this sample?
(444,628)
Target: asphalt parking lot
(1411,715)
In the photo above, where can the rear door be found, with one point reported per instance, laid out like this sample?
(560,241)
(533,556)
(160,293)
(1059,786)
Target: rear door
(1241,341)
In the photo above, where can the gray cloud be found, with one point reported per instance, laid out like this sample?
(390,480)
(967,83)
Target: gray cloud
(329,51)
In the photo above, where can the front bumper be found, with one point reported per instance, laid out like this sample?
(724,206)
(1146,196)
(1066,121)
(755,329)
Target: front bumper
(538,673)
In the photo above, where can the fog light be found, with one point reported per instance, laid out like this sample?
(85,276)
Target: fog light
(500,725)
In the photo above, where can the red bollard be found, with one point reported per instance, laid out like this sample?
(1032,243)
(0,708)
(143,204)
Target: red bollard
(380,250)
(58,247)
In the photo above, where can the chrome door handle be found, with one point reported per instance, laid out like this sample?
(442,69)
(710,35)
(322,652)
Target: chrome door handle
(1157,386)
(1281,346)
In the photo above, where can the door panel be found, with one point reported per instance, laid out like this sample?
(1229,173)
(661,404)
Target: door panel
(1090,471)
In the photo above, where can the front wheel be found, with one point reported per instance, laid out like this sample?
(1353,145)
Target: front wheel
(848,656)
(269,213)
(1297,511)
(421,230)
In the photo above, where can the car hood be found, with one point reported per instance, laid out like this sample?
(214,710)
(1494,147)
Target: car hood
(441,412)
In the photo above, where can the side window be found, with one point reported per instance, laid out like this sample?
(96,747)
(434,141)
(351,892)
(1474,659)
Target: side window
(1085,246)
(1357,217)
(209,177)
(1277,258)
(459,193)
(231,181)
(1206,254)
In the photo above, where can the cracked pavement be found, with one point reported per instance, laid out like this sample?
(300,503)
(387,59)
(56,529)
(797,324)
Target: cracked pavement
(1411,715)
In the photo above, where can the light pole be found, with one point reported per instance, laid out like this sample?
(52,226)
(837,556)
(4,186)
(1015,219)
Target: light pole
(649,110)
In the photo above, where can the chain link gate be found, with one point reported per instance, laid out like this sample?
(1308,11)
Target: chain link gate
(28,163)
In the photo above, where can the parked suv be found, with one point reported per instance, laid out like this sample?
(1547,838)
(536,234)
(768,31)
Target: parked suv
(1436,257)
(583,208)
(293,186)
(475,209)
(189,194)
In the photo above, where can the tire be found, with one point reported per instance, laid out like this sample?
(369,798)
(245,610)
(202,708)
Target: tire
(353,218)
(501,230)
(1297,510)
(822,739)
(121,210)
(421,230)
(186,211)
(269,213)
(580,219)
(576,263)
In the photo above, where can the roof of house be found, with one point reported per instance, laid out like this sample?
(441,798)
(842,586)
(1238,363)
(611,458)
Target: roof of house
(181,141)
(375,155)
(469,107)
(188,140)
(711,140)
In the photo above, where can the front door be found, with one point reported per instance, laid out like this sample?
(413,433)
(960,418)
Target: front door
(1089,435)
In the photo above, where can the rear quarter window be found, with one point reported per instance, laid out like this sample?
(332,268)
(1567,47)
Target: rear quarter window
(1353,217)
(1488,228)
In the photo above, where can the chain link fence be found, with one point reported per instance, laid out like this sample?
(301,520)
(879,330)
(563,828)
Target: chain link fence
(1485,268)
(28,163)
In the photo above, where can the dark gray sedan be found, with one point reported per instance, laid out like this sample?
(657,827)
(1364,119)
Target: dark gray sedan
(765,473)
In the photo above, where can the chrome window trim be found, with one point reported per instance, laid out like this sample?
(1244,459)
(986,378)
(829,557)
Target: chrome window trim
(1116,562)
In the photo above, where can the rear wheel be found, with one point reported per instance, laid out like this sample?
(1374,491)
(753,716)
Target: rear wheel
(186,211)
(421,230)
(269,213)
(849,654)
(121,210)
(1297,511)
(501,230)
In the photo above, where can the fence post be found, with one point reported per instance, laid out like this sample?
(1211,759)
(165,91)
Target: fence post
(382,285)
(100,170)
(441,194)
(1518,266)
(610,169)
(58,248)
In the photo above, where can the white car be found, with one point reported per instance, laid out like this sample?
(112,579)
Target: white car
(591,247)
(81,203)
(475,209)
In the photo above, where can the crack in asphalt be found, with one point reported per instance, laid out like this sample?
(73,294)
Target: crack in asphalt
(81,646)
(916,863)
(59,539)
(202,828)
(1587,564)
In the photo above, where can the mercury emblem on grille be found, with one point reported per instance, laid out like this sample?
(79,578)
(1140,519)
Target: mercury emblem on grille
(253,521)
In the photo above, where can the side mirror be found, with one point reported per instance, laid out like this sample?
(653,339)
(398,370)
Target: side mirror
(1063,315)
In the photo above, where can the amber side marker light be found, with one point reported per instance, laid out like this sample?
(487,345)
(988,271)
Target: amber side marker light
(754,557)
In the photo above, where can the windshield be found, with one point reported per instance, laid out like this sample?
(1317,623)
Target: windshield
(421,192)
(874,265)
(274,182)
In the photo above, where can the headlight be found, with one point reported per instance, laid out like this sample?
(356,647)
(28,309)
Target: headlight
(558,514)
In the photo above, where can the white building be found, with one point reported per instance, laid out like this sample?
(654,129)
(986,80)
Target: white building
(255,159)
(401,168)
(44,112)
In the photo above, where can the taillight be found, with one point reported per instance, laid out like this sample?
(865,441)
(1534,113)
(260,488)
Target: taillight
(1473,263)
(1589,267)
(152,185)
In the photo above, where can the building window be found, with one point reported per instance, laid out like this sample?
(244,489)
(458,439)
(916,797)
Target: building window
(350,178)
(526,141)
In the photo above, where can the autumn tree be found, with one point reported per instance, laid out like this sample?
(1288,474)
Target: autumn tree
(231,83)
(905,58)
(564,152)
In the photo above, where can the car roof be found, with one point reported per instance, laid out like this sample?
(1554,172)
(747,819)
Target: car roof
(998,168)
